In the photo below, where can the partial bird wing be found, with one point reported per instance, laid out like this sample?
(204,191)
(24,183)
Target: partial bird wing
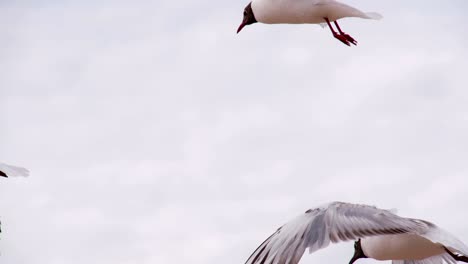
(438,259)
(9,170)
(335,222)
(438,235)
(341,10)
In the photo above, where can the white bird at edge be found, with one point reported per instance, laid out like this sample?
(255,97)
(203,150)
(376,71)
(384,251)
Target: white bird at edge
(9,170)
(303,12)
(380,234)
(12,171)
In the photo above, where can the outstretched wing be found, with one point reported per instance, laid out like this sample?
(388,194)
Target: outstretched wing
(9,170)
(335,222)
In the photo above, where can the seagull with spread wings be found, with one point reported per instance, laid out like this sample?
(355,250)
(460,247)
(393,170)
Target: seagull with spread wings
(379,234)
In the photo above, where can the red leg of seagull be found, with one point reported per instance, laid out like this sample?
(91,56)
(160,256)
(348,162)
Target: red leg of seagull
(348,37)
(336,35)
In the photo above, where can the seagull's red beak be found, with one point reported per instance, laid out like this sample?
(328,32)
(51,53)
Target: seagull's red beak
(242,25)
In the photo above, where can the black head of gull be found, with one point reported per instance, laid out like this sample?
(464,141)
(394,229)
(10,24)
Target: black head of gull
(249,17)
(358,253)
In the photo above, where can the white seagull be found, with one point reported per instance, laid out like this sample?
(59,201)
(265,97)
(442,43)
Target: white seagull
(380,235)
(303,12)
(11,171)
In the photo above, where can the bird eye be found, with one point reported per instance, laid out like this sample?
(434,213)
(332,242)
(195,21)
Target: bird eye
(245,13)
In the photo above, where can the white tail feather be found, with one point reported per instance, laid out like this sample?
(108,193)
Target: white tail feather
(374,15)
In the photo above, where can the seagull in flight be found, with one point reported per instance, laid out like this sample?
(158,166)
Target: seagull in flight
(12,171)
(9,170)
(379,234)
(321,12)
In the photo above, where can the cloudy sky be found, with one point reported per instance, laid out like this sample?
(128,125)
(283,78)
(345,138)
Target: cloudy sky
(155,134)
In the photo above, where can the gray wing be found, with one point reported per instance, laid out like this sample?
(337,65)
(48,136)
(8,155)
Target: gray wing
(336,222)
(9,170)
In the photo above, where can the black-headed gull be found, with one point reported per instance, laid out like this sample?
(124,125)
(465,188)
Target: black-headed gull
(380,235)
(9,170)
(303,12)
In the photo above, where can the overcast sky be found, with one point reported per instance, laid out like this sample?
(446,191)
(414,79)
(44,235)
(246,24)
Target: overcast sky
(155,134)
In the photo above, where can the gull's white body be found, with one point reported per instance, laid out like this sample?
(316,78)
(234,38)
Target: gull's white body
(13,171)
(304,11)
(384,236)
(400,247)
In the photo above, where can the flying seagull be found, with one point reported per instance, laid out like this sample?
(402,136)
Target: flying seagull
(9,170)
(379,234)
(303,12)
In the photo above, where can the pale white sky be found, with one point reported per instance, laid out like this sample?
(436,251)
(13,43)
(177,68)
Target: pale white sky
(155,134)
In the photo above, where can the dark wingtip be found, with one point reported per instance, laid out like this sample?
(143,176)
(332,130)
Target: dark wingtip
(3,174)
(456,256)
